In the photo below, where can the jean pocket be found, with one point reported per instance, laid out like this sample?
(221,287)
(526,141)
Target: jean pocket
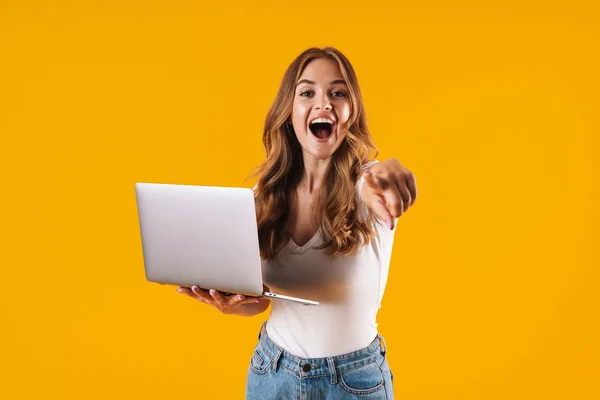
(363,380)
(259,363)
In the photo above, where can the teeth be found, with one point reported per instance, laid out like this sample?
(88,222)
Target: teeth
(321,121)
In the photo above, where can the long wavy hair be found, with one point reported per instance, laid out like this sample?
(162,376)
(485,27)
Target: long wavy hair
(337,214)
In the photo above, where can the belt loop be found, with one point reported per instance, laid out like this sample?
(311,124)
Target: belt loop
(332,370)
(383,345)
(262,327)
(276,359)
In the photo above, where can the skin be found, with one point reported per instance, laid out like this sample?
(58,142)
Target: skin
(320,91)
(237,304)
(389,189)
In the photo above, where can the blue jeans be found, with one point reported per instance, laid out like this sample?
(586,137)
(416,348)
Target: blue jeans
(276,374)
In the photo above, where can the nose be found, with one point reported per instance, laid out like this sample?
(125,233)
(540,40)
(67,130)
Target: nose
(322,102)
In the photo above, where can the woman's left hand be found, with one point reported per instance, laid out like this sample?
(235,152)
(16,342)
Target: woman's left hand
(389,190)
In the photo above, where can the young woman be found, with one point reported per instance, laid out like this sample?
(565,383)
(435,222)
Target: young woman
(324,235)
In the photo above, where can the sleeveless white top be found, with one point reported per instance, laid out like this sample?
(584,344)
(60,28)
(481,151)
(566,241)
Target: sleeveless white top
(349,289)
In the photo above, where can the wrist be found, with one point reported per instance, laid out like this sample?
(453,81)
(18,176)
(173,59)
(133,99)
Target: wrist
(249,310)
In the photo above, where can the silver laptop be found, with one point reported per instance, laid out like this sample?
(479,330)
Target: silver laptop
(202,235)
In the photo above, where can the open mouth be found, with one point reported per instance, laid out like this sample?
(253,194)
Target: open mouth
(322,128)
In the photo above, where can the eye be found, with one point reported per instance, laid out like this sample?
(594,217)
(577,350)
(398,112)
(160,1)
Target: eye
(306,93)
(338,94)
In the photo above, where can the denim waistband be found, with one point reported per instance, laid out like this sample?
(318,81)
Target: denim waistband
(320,366)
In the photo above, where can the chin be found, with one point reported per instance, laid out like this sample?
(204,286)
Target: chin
(319,151)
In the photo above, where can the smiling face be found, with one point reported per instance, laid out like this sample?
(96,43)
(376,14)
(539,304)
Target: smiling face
(321,109)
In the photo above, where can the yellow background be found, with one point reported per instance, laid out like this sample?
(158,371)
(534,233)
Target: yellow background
(493,289)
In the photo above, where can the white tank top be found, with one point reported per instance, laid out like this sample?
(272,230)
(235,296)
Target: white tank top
(349,289)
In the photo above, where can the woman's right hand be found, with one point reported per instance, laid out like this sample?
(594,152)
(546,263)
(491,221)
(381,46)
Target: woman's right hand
(227,304)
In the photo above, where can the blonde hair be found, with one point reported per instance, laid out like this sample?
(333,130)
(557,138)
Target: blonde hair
(280,173)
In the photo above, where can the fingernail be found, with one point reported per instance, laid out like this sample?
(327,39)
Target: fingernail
(212,291)
(389,224)
(257,301)
(194,287)
(240,297)
(179,290)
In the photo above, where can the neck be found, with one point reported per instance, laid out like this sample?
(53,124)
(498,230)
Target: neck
(314,172)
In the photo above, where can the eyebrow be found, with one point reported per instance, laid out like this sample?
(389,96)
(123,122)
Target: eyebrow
(313,83)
